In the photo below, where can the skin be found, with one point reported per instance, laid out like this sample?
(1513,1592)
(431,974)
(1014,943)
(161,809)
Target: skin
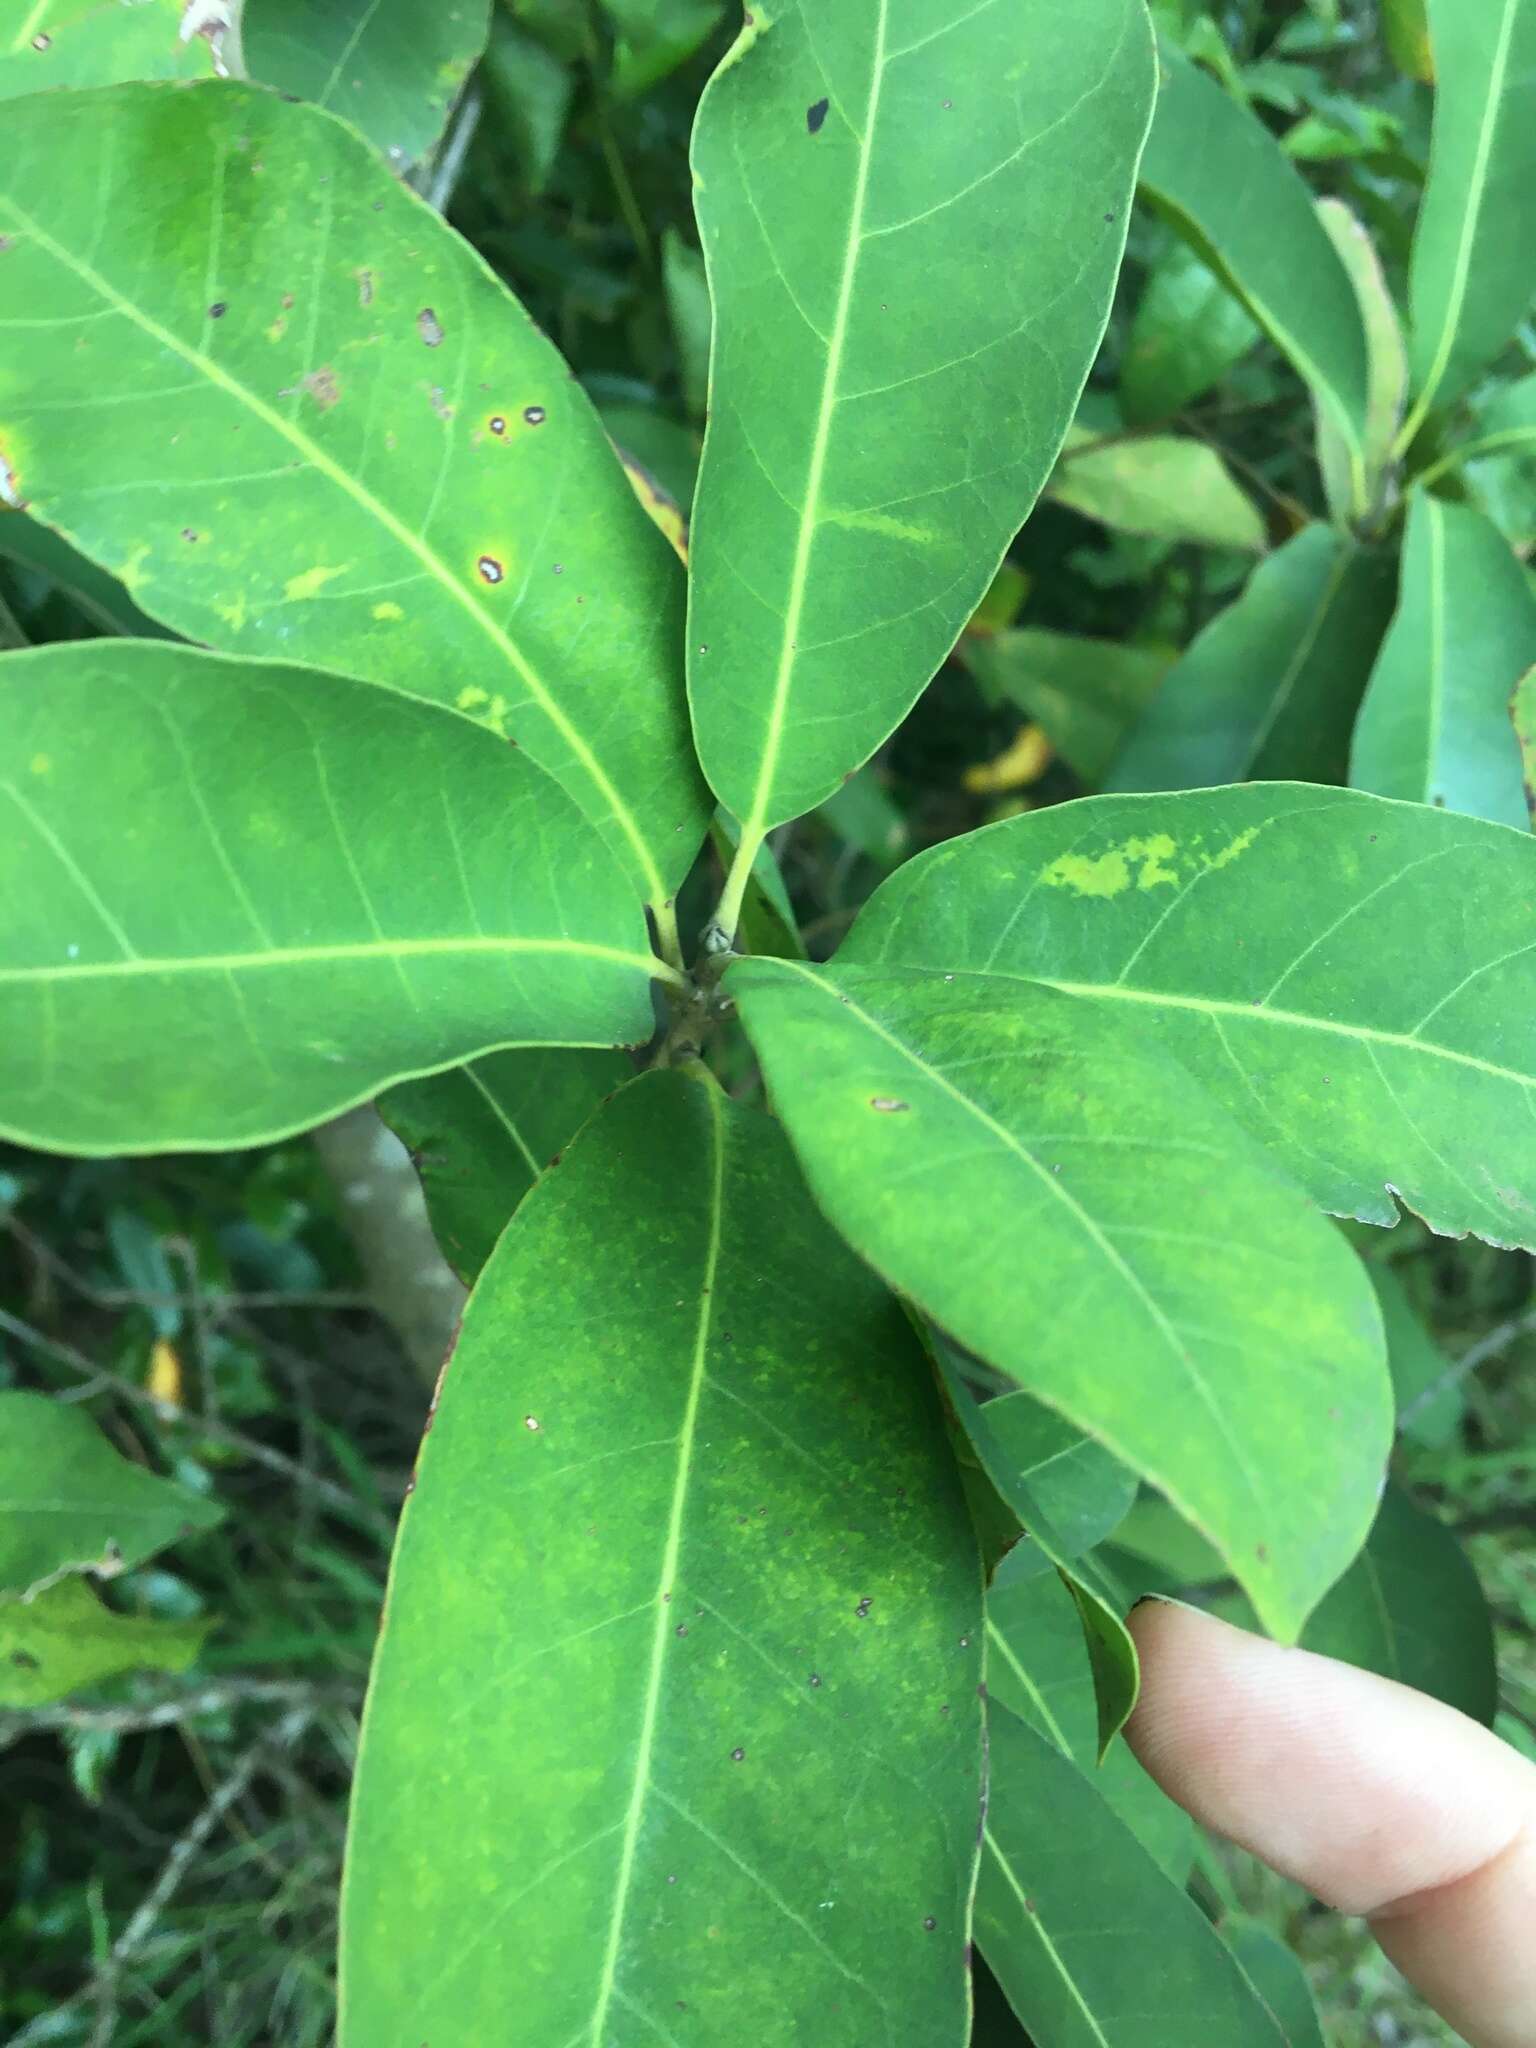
(1380,1801)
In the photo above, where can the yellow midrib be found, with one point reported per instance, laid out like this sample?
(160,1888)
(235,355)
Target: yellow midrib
(431,562)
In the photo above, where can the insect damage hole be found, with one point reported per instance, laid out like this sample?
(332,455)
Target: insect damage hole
(429,327)
(491,571)
(888,1104)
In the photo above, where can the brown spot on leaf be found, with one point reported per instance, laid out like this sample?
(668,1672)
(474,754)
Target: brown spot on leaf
(218,309)
(815,116)
(365,287)
(429,327)
(322,387)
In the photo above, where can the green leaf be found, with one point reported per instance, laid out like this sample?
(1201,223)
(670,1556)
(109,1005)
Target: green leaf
(691,1603)
(1354,492)
(1229,927)
(887,398)
(1434,726)
(1187,333)
(50,43)
(198,950)
(1430,1404)
(1037,1668)
(65,1640)
(1523,711)
(688,307)
(392,68)
(1094,1944)
(1086,695)
(1410,1608)
(70,1503)
(530,91)
(1213,167)
(482,1134)
(653,37)
(1405,24)
(361,455)
(1161,485)
(1039,1461)
(1011,1160)
(1270,687)
(1473,273)
(1274,1972)
(99,597)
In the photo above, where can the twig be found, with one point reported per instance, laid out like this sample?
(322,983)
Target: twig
(1477,1354)
(134,1719)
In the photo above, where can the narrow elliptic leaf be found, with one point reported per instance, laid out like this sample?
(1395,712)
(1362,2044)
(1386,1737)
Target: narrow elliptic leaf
(392,68)
(64,1640)
(1410,1608)
(1086,695)
(1434,727)
(1231,927)
(687,1599)
(887,398)
(1056,1193)
(1430,1401)
(299,417)
(1270,688)
(1354,490)
(1214,168)
(1162,485)
(236,898)
(481,1135)
(1094,1944)
(1523,711)
(1187,333)
(101,599)
(70,1503)
(76,43)
(1473,269)
(1037,1667)
(1278,1977)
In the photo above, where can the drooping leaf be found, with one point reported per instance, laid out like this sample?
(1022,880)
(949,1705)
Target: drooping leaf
(689,1601)
(1228,927)
(65,1639)
(1430,1403)
(1188,332)
(1037,1668)
(1434,727)
(392,68)
(481,1135)
(1095,1945)
(1270,688)
(1086,694)
(70,1503)
(364,888)
(301,418)
(1473,271)
(1523,711)
(887,398)
(1354,490)
(1410,1608)
(1054,1192)
(1275,1973)
(75,43)
(1213,167)
(1165,486)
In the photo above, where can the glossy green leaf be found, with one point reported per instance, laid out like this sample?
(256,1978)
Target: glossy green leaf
(886,398)
(69,1502)
(1085,695)
(1037,1668)
(1012,1159)
(74,43)
(392,68)
(315,942)
(1214,168)
(1410,1608)
(1430,1403)
(1434,727)
(1355,490)
(1094,1944)
(65,1640)
(301,418)
(1271,687)
(1228,927)
(1473,272)
(690,1602)
(1523,711)
(481,1135)
(1161,485)
(1275,1973)
(1187,333)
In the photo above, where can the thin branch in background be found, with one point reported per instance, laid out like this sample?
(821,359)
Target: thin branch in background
(450,163)
(141,1718)
(1492,1346)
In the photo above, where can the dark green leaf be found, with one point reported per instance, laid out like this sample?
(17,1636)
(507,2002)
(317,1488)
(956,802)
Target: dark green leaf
(856,172)
(1430,1404)
(1086,695)
(1054,1192)
(304,419)
(238,897)
(1187,333)
(100,597)
(530,90)
(64,1640)
(653,37)
(1273,1971)
(690,1603)
(1229,926)
(1271,686)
